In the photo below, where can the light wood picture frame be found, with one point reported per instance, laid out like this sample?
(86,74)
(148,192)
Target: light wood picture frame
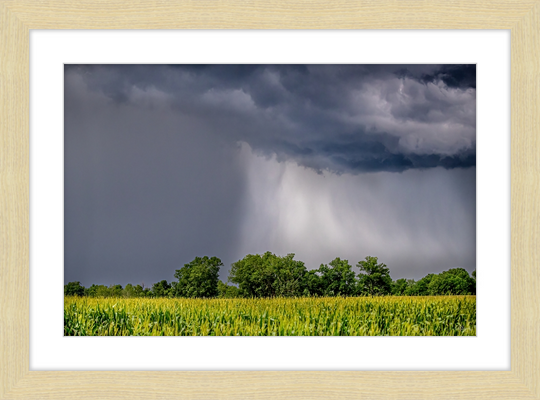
(18,17)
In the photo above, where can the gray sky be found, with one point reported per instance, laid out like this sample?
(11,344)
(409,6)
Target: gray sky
(166,163)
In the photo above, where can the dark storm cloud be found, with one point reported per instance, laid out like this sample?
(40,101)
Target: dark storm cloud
(340,118)
(164,163)
(455,76)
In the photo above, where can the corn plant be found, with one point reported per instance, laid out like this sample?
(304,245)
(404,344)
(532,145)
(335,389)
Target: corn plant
(307,316)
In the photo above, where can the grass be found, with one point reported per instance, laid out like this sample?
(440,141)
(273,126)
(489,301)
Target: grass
(327,316)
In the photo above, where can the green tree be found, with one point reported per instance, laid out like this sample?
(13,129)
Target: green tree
(421,287)
(313,284)
(102,291)
(374,279)
(399,287)
(140,291)
(290,276)
(455,281)
(129,291)
(115,291)
(91,291)
(409,288)
(74,289)
(97,291)
(253,275)
(337,278)
(199,278)
(161,289)
(268,275)
(227,291)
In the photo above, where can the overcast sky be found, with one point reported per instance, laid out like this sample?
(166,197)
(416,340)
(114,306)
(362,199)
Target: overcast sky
(164,163)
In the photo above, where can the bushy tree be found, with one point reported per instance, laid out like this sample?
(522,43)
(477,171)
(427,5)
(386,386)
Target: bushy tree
(374,278)
(399,287)
(227,291)
(253,275)
(116,291)
(410,285)
(421,287)
(337,278)
(161,289)
(290,276)
(313,284)
(74,289)
(268,275)
(129,291)
(98,291)
(455,281)
(199,278)
(91,291)
(141,291)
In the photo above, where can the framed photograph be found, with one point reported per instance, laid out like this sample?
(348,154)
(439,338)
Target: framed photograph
(281,199)
(229,379)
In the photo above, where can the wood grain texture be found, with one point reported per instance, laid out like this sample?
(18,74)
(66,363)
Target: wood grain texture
(18,17)
(14,200)
(525,176)
(270,14)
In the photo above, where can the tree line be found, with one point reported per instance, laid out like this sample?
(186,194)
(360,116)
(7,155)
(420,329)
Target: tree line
(269,275)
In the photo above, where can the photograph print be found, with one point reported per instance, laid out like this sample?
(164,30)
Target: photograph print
(270,200)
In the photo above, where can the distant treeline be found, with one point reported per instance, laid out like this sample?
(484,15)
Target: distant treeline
(268,275)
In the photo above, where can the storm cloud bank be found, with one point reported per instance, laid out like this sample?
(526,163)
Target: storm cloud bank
(338,118)
(164,163)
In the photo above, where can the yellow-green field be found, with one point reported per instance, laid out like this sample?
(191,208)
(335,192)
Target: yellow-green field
(329,316)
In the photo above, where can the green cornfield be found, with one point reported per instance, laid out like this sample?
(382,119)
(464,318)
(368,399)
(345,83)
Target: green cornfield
(327,316)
